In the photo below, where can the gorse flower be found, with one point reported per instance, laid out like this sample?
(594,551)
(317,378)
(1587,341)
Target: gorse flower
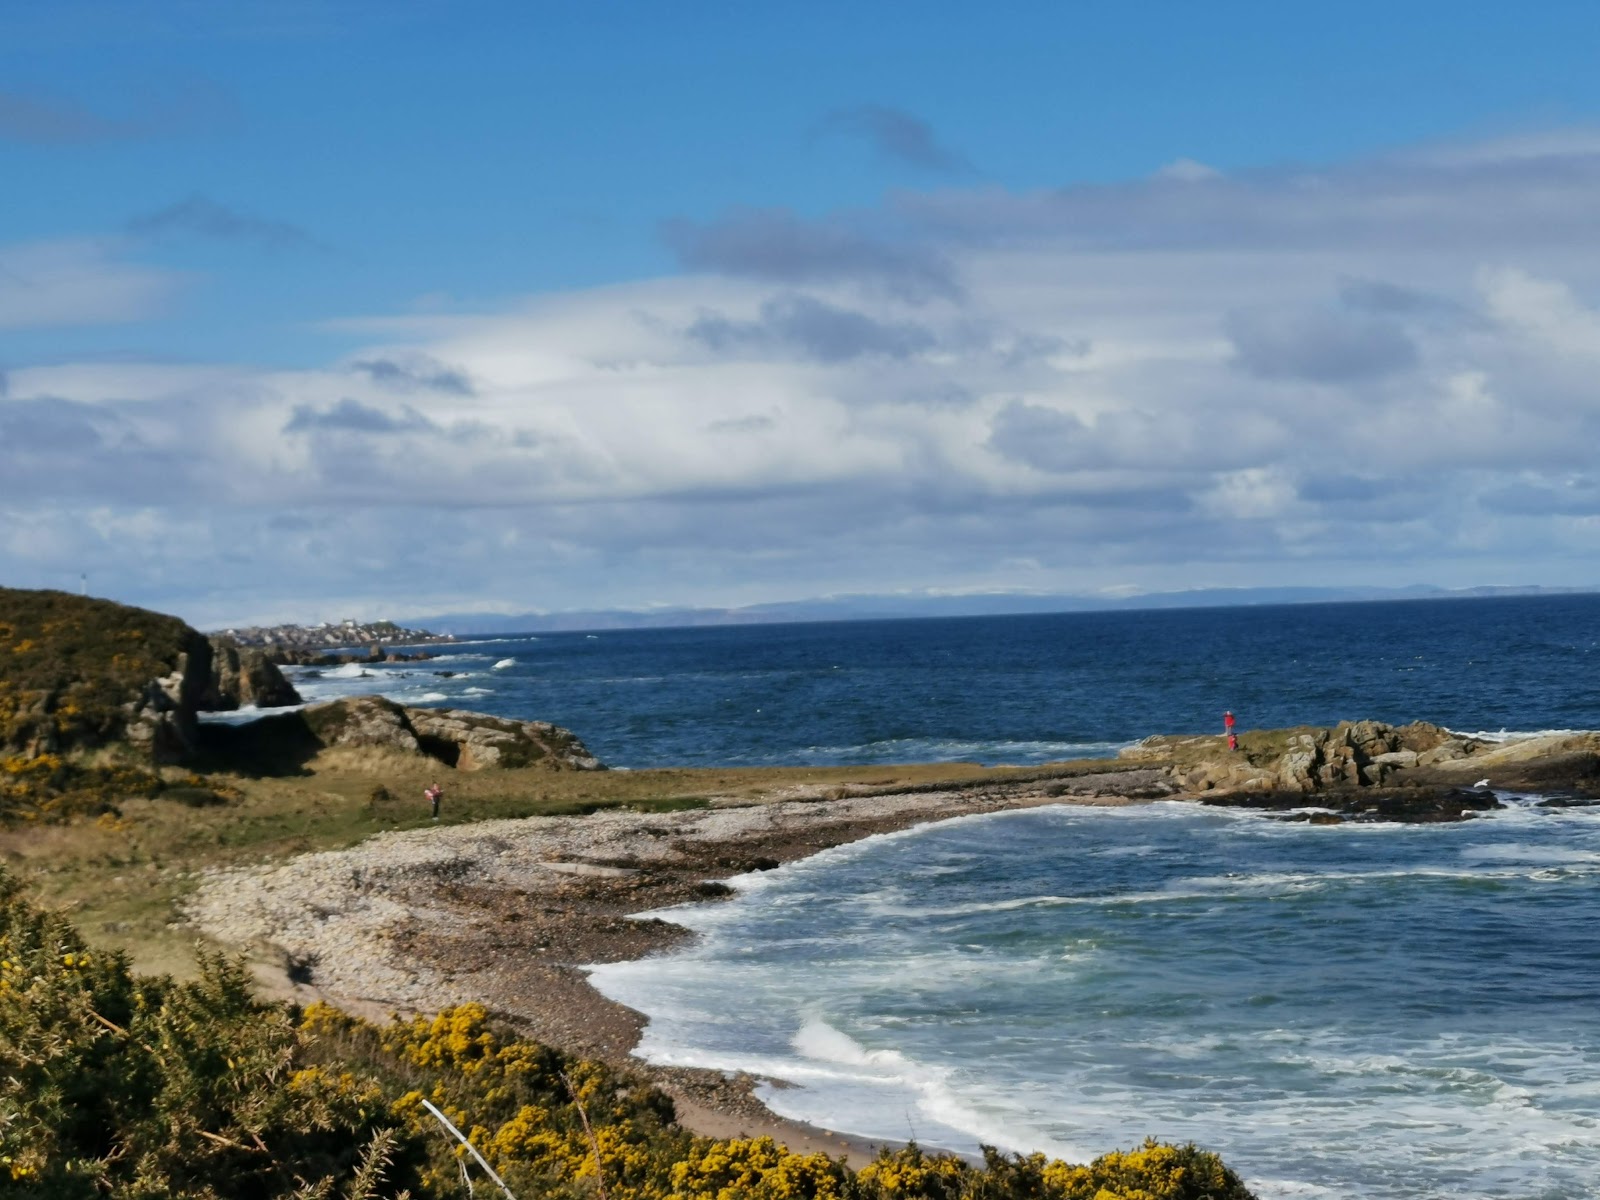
(134,1088)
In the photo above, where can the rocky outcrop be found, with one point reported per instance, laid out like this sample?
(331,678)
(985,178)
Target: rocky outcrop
(467,741)
(161,718)
(472,741)
(244,677)
(1282,768)
(286,656)
(78,674)
(1422,805)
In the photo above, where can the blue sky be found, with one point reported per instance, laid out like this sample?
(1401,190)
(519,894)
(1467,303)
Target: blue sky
(316,309)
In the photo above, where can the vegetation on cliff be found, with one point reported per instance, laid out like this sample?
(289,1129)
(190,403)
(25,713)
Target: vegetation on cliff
(113,1085)
(74,671)
(92,695)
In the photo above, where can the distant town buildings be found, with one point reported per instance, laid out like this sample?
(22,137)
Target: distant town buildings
(329,634)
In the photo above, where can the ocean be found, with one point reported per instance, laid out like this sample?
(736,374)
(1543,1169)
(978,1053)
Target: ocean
(1016,689)
(1352,1010)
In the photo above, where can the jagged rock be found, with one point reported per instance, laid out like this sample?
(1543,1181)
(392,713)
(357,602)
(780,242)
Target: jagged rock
(484,741)
(245,677)
(467,741)
(363,721)
(296,656)
(1370,754)
(1412,806)
(161,719)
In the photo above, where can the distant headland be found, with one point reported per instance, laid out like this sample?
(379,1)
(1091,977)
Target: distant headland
(330,634)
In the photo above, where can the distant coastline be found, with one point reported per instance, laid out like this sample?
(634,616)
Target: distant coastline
(331,634)
(910,606)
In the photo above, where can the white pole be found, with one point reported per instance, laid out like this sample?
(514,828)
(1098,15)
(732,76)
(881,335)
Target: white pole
(462,1138)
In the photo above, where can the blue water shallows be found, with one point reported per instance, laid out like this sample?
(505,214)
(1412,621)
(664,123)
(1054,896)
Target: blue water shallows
(1017,689)
(1355,1010)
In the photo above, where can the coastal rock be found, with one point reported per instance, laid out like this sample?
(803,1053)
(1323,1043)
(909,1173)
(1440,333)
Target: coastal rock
(1408,806)
(1358,755)
(467,741)
(161,720)
(363,721)
(472,741)
(245,677)
(287,656)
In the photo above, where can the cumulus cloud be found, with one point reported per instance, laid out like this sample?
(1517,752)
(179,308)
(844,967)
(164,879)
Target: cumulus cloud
(775,245)
(85,281)
(1369,367)
(1522,194)
(896,136)
(812,329)
(1567,495)
(1322,346)
(351,416)
(411,371)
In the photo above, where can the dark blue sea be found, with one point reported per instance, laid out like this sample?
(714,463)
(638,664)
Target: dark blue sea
(1350,1011)
(1018,689)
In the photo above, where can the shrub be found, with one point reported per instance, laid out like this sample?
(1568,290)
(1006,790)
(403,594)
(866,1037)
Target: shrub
(127,1088)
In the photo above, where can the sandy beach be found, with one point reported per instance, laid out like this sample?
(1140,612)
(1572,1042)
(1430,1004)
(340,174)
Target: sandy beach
(507,913)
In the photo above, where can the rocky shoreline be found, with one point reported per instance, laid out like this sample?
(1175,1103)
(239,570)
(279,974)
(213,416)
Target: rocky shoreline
(508,912)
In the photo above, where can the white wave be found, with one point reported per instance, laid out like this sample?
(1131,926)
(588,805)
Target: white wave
(431,697)
(504,663)
(348,671)
(1514,735)
(247,715)
(478,691)
(1520,853)
(1343,1107)
(818,1042)
(956,749)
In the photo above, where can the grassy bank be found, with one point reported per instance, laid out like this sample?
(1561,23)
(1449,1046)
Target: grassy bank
(120,876)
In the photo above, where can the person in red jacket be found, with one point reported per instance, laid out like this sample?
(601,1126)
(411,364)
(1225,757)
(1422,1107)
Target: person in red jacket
(1227,727)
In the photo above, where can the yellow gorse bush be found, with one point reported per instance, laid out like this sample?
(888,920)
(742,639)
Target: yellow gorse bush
(130,1089)
(757,1167)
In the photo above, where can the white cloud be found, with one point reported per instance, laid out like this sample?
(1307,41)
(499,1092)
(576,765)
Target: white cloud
(77,282)
(1384,367)
(1187,170)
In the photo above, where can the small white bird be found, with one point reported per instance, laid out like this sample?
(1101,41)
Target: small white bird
(1481,783)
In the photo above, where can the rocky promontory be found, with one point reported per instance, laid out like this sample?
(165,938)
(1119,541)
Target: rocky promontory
(78,674)
(101,702)
(1367,770)
(465,741)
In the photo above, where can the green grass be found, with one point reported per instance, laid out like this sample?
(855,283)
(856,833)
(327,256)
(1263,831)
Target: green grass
(121,877)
